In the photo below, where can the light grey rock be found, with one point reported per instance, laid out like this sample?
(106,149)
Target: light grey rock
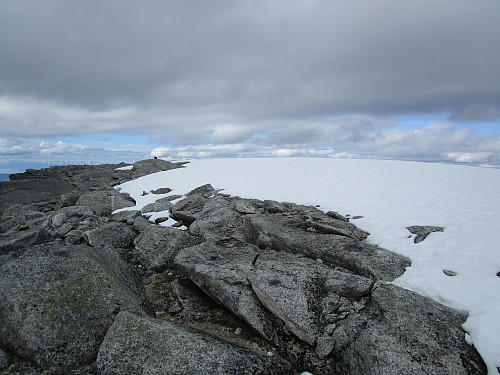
(222,274)
(8,223)
(189,209)
(289,234)
(156,247)
(64,229)
(217,223)
(273,207)
(248,206)
(140,224)
(16,240)
(139,345)
(422,232)
(104,201)
(58,219)
(126,216)
(160,205)
(292,287)
(324,346)
(336,215)
(148,166)
(57,302)
(205,191)
(252,284)
(409,334)
(116,235)
(76,212)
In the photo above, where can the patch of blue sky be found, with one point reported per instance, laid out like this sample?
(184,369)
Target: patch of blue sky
(418,121)
(112,141)
(421,121)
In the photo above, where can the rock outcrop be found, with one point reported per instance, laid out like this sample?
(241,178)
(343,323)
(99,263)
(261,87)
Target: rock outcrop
(250,287)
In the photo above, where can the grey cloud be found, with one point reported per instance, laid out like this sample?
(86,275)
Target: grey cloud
(253,60)
(20,153)
(477,113)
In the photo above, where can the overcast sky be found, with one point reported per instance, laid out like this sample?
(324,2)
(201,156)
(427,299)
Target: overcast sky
(90,81)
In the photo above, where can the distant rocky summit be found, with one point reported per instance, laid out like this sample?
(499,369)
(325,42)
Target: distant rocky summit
(241,286)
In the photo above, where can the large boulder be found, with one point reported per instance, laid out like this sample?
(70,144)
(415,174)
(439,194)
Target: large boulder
(156,247)
(163,204)
(115,235)
(104,201)
(217,224)
(58,301)
(141,345)
(189,209)
(406,333)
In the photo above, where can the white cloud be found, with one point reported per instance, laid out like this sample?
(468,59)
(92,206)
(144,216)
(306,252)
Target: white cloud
(470,157)
(229,133)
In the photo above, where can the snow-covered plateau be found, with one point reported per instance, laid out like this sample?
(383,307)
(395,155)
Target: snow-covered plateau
(390,196)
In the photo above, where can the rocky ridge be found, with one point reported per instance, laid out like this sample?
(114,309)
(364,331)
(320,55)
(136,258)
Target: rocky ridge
(250,287)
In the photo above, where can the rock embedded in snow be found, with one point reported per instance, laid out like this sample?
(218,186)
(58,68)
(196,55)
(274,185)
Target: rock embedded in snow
(422,232)
(164,190)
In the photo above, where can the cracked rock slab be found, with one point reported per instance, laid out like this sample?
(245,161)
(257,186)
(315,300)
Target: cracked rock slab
(258,285)
(292,234)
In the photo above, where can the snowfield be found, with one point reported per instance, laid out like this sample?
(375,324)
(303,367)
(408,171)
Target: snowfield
(390,195)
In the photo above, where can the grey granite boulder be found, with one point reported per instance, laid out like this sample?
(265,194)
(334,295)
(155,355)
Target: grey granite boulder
(162,204)
(331,240)
(104,201)
(156,247)
(116,235)
(57,302)
(142,345)
(205,191)
(189,209)
(218,223)
(405,333)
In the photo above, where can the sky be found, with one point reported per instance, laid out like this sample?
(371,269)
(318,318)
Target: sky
(109,81)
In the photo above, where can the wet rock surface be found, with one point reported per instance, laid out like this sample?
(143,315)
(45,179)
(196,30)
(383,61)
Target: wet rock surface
(247,287)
